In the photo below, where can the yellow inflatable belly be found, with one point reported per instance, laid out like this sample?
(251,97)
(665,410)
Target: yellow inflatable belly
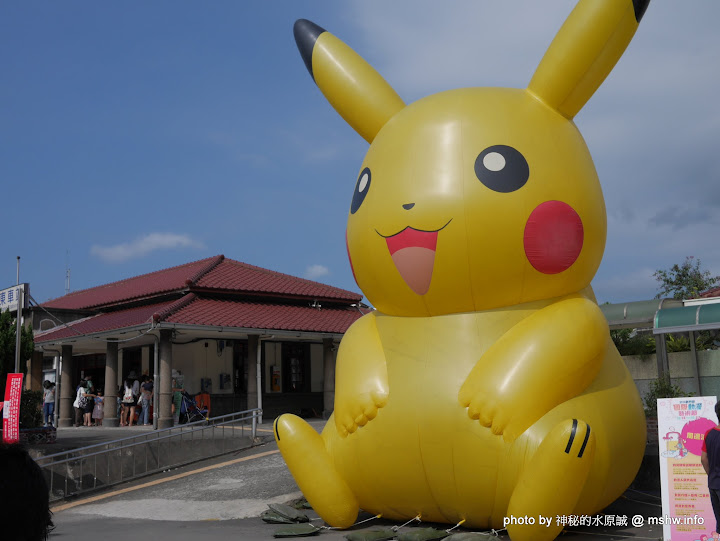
(431,459)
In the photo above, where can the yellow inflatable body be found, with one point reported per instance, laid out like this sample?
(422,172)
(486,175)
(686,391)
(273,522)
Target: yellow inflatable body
(485,388)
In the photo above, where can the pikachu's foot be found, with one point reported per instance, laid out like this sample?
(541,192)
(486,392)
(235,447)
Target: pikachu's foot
(312,467)
(552,482)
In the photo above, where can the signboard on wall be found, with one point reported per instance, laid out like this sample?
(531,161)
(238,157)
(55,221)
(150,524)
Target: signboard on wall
(9,297)
(686,507)
(11,408)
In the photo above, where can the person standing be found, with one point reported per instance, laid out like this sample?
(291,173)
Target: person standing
(48,403)
(98,412)
(79,403)
(128,404)
(25,511)
(146,394)
(136,397)
(710,459)
(88,403)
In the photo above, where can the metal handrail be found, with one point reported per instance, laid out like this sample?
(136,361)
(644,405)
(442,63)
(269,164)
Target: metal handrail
(123,452)
(157,435)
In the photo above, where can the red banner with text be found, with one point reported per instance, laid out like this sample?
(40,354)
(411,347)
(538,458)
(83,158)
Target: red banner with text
(11,408)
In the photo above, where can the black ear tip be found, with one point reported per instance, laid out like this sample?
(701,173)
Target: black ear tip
(640,6)
(303,26)
(306,34)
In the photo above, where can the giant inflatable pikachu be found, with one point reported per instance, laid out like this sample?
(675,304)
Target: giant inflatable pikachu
(486,384)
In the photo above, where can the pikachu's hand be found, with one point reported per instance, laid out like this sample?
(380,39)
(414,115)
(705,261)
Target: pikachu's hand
(490,407)
(361,382)
(528,372)
(356,410)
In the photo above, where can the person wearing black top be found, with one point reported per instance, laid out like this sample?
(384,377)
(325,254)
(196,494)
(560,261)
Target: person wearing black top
(710,459)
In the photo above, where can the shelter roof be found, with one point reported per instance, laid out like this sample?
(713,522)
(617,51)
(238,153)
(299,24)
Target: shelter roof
(635,315)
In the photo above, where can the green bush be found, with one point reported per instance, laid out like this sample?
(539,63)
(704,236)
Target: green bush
(31,409)
(677,343)
(661,388)
(630,342)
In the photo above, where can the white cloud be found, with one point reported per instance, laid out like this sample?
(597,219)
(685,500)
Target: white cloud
(143,246)
(314,272)
(430,47)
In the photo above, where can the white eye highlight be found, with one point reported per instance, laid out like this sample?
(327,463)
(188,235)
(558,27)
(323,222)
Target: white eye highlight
(494,161)
(363,182)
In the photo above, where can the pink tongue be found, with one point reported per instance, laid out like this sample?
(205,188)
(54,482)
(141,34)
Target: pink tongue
(413,253)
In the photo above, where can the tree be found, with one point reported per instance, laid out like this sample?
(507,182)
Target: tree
(685,281)
(8,326)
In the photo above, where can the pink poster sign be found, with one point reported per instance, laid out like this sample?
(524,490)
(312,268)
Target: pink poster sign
(682,424)
(11,408)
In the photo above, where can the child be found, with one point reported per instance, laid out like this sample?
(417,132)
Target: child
(98,412)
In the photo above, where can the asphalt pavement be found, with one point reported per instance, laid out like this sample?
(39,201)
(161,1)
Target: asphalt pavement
(222,498)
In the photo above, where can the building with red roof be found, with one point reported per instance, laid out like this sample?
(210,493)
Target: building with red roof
(710,293)
(248,336)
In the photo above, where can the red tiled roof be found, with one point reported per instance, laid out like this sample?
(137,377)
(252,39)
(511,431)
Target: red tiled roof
(214,273)
(103,322)
(191,310)
(237,276)
(145,285)
(714,292)
(251,315)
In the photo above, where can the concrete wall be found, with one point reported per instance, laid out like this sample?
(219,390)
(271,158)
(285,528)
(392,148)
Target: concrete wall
(196,361)
(644,371)
(317,371)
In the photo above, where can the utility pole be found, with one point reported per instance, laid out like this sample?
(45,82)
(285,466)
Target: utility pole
(19,317)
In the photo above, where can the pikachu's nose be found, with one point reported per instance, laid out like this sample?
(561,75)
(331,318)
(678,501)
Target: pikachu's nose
(408,206)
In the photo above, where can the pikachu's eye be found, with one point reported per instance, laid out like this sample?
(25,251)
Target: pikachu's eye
(502,168)
(361,190)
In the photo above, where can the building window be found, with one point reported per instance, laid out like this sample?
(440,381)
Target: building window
(46,324)
(296,367)
(240,366)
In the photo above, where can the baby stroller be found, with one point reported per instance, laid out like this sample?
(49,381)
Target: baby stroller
(189,412)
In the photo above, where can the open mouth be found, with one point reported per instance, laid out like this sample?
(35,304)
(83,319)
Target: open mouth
(413,252)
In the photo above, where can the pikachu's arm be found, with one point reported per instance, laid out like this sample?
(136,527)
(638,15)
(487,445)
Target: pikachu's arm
(544,360)
(361,381)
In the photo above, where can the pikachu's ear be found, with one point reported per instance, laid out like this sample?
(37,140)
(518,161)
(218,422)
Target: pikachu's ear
(362,97)
(585,50)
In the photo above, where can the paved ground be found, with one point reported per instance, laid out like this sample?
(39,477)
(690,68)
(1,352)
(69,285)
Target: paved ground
(222,499)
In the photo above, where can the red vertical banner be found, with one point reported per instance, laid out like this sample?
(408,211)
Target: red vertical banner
(11,409)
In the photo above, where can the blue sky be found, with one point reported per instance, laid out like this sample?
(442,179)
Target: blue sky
(139,136)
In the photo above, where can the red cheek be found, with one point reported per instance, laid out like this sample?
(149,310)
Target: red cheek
(553,237)
(347,247)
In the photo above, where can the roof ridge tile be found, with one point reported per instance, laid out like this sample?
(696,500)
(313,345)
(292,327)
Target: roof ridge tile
(202,272)
(174,307)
